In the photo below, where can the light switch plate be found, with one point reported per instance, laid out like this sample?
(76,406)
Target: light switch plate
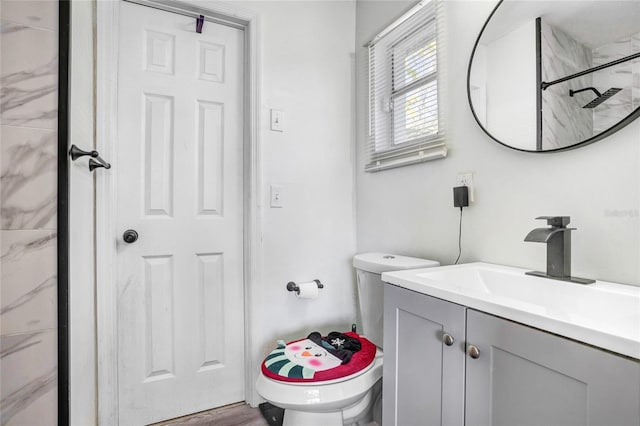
(277,200)
(276,120)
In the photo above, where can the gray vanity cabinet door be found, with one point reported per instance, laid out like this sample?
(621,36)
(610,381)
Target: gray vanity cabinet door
(524,376)
(423,378)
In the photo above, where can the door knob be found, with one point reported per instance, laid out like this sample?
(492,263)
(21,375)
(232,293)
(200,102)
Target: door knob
(473,351)
(448,339)
(130,236)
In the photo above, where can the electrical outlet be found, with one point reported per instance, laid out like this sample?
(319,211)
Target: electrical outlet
(466,179)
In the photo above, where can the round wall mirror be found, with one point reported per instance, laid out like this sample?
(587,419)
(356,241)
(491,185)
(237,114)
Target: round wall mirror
(555,75)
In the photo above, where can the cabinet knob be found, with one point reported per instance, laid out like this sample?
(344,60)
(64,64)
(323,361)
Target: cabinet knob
(473,351)
(448,339)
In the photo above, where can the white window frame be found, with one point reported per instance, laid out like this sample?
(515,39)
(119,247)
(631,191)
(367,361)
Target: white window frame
(385,148)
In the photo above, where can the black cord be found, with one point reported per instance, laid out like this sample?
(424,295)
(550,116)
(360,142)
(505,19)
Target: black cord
(459,238)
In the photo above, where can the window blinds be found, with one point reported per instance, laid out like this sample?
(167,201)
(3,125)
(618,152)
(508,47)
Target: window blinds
(406,123)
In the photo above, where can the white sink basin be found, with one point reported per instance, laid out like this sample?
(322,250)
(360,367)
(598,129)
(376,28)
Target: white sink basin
(601,314)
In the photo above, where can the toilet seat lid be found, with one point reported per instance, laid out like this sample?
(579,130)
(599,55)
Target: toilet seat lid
(277,367)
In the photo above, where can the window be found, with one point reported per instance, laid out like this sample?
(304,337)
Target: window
(406,123)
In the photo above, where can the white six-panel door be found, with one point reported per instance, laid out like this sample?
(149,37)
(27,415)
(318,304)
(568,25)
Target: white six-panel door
(179,185)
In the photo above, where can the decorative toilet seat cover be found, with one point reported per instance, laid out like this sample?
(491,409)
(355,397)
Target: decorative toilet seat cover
(305,361)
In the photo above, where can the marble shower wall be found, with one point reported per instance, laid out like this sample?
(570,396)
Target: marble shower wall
(28,198)
(564,121)
(625,76)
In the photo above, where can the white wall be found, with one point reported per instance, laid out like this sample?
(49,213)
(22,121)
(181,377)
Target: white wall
(410,211)
(511,87)
(307,71)
(478,83)
(307,68)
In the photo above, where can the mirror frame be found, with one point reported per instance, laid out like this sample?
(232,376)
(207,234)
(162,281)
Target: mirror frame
(608,132)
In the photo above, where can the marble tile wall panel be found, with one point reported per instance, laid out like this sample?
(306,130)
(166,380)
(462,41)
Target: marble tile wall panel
(564,121)
(32,13)
(28,76)
(614,109)
(28,174)
(28,291)
(28,202)
(28,379)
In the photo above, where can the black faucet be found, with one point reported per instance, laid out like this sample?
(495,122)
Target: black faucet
(558,240)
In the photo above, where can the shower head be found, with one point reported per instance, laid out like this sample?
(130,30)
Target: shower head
(601,97)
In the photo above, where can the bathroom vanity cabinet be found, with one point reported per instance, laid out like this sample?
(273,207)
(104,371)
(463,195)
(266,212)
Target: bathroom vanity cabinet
(452,365)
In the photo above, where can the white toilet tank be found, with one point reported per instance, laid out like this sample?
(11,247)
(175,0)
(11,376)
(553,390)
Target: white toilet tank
(369,267)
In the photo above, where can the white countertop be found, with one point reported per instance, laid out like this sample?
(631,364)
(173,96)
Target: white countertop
(602,314)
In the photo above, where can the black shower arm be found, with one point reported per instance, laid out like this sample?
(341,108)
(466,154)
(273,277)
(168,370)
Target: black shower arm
(544,85)
(593,89)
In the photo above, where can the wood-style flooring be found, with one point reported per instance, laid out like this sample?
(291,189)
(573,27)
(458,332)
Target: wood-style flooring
(239,414)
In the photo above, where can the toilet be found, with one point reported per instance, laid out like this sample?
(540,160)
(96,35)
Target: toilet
(354,398)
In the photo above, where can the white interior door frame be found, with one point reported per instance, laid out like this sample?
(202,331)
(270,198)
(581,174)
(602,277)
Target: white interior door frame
(107,14)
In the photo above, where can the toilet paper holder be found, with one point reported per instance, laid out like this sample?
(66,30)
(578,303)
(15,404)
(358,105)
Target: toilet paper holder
(291,286)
